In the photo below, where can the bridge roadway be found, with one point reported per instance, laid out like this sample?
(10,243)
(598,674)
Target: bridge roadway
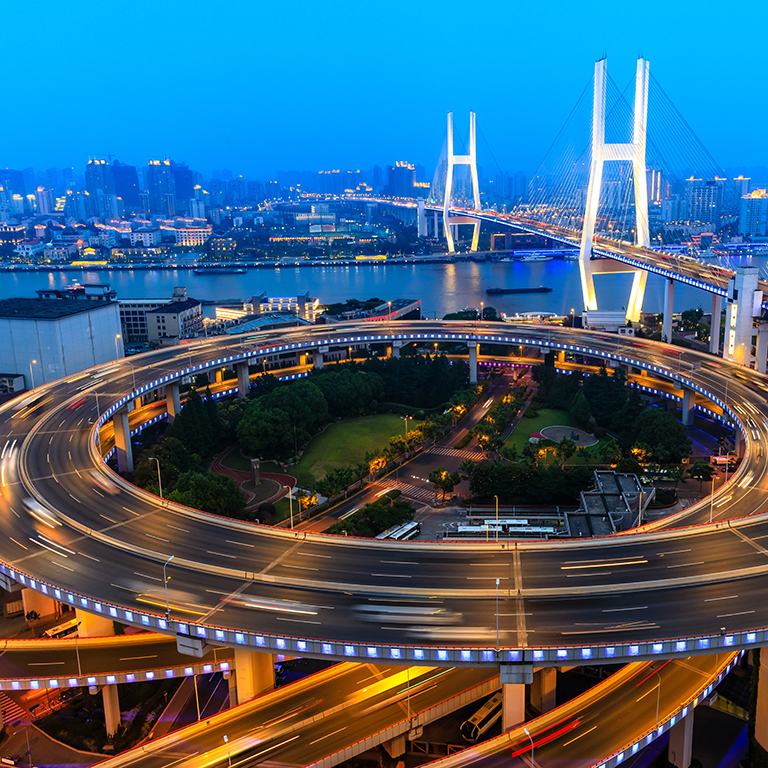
(644,595)
(683,269)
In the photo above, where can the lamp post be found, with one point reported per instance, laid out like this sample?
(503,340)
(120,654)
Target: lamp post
(32,373)
(229,757)
(531,740)
(712,499)
(165,584)
(497,518)
(497,618)
(658,698)
(117,348)
(290,503)
(159,480)
(77,649)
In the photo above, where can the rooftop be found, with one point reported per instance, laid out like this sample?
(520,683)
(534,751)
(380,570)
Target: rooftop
(178,306)
(46,309)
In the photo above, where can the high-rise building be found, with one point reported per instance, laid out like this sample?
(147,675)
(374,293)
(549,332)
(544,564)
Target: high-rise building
(74,205)
(12,181)
(126,181)
(196,209)
(741,185)
(98,176)
(160,184)
(400,179)
(704,200)
(45,202)
(753,218)
(184,185)
(110,206)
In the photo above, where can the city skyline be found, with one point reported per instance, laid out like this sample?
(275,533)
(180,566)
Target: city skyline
(344,95)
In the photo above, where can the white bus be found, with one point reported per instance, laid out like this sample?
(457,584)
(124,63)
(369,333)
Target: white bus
(62,630)
(401,532)
(482,720)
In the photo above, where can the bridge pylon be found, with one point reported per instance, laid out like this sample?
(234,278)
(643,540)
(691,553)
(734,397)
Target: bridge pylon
(453,160)
(603,152)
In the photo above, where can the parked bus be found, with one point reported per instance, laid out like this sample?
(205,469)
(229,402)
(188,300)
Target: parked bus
(62,630)
(482,720)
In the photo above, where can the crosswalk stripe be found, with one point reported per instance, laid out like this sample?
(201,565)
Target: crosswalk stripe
(12,712)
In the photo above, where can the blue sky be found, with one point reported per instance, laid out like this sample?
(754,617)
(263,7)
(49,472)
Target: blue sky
(256,86)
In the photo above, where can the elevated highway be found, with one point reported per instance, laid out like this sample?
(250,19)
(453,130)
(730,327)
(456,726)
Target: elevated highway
(639,596)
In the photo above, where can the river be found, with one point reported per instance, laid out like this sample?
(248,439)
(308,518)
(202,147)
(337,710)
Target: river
(442,288)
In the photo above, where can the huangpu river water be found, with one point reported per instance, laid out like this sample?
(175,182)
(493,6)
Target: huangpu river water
(442,288)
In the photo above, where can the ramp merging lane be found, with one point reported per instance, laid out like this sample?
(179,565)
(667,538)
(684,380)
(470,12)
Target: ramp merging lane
(643,595)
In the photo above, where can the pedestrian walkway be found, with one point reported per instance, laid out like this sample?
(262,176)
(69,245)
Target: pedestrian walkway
(414,491)
(462,454)
(13,714)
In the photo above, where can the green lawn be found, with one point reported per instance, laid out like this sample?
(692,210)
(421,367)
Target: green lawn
(548,417)
(235,460)
(346,443)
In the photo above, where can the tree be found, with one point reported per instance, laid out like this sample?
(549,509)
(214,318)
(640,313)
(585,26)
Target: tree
(701,471)
(565,449)
(544,376)
(192,426)
(266,432)
(580,410)
(661,436)
(466,467)
(443,480)
(216,494)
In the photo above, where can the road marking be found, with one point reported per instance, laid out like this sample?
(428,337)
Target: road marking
(301,567)
(616,629)
(603,564)
(147,576)
(399,562)
(727,597)
(673,552)
(617,610)
(242,544)
(579,575)
(96,559)
(313,554)
(332,734)
(740,613)
(485,578)
(288,552)
(686,565)
(594,728)
(136,658)
(45,663)
(131,511)
(18,542)
(648,693)
(392,575)
(61,565)
(107,518)
(176,528)
(298,621)
(159,538)
(221,554)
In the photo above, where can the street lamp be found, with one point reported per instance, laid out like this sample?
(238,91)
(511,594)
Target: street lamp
(32,373)
(165,583)
(497,618)
(229,757)
(497,518)
(77,649)
(117,349)
(159,481)
(290,502)
(531,740)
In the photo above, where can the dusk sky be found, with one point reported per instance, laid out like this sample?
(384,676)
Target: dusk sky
(260,86)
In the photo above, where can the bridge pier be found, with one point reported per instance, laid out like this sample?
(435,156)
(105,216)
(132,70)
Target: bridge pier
(544,689)
(472,361)
(123,441)
(761,350)
(669,301)
(743,305)
(254,675)
(396,347)
(680,752)
(689,405)
(514,678)
(318,357)
(111,708)
(714,330)
(94,624)
(243,379)
(422,218)
(172,401)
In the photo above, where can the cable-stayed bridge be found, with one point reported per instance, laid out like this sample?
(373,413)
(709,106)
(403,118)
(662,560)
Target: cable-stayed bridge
(611,165)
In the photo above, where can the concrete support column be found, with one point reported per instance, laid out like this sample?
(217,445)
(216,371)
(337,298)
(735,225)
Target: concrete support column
(762,348)
(513,705)
(436,226)
(219,375)
(544,689)
(472,362)
(94,625)
(254,674)
(742,308)
(243,379)
(761,714)
(689,403)
(681,742)
(303,359)
(395,747)
(714,331)
(123,441)
(319,356)
(111,709)
(396,347)
(669,301)
(172,401)
(37,602)
(422,218)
